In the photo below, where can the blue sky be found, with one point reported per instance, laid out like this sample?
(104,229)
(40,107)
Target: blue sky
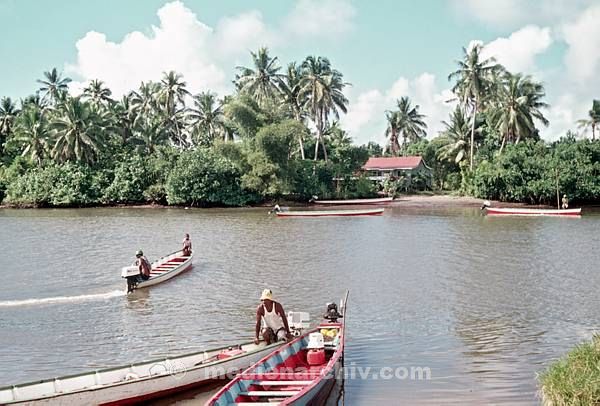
(386,49)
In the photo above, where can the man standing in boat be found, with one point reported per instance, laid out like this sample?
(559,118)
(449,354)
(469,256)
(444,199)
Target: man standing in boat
(565,202)
(143,265)
(187,246)
(276,325)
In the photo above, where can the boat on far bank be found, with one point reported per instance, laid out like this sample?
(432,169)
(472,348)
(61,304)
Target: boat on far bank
(330,213)
(517,211)
(377,200)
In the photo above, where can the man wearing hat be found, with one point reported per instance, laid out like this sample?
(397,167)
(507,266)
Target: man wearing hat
(143,265)
(276,325)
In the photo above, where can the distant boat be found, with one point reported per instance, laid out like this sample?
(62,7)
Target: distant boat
(532,212)
(330,213)
(377,200)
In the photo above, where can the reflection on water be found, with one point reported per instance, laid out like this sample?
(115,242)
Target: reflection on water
(484,303)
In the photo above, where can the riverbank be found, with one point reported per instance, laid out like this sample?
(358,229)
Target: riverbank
(411,200)
(575,378)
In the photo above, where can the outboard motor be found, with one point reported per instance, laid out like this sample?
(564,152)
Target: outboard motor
(332,313)
(132,274)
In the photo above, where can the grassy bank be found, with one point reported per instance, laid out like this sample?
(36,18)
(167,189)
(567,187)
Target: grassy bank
(575,378)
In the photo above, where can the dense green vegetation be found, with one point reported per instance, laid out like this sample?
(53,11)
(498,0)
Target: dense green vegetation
(278,135)
(574,379)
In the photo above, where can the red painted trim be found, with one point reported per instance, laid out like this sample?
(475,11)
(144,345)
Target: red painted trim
(160,394)
(377,212)
(526,212)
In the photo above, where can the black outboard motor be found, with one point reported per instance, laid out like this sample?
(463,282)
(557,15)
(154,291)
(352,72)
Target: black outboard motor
(332,313)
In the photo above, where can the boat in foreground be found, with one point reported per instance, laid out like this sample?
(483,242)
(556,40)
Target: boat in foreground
(137,383)
(163,269)
(533,212)
(330,213)
(380,200)
(301,372)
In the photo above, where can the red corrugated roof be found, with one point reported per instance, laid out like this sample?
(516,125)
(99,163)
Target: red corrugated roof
(398,162)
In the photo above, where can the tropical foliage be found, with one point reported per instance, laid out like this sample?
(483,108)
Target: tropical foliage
(278,135)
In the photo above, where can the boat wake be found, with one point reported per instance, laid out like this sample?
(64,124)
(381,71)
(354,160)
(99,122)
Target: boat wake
(62,299)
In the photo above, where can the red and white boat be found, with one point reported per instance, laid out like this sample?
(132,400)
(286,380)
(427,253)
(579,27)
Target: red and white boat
(379,200)
(302,372)
(163,269)
(137,383)
(532,212)
(330,213)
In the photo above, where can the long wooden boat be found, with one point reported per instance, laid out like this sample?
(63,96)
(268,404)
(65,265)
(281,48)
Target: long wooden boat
(517,211)
(330,213)
(379,200)
(163,269)
(136,383)
(299,373)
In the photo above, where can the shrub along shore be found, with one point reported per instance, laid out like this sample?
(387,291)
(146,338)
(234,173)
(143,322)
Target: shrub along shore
(574,379)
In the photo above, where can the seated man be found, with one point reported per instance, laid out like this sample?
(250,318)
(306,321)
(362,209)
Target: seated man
(276,325)
(143,265)
(187,246)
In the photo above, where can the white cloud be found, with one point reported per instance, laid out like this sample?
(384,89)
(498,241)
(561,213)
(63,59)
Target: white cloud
(583,38)
(325,18)
(517,52)
(205,56)
(366,119)
(511,14)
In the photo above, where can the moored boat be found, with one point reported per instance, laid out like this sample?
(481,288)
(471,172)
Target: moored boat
(330,213)
(301,372)
(380,200)
(135,383)
(163,269)
(139,382)
(517,211)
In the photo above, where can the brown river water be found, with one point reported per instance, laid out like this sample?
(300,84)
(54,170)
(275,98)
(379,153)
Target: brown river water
(478,304)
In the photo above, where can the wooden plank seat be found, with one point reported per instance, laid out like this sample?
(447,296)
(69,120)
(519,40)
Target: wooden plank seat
(282,383)
(269,393)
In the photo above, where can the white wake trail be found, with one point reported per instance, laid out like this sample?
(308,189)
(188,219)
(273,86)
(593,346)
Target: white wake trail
(62,299)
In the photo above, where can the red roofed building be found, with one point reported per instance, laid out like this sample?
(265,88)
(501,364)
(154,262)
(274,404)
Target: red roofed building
(380,168)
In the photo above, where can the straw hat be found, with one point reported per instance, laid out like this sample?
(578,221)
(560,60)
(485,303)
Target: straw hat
(266,294)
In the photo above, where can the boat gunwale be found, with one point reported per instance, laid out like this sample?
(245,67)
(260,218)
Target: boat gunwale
(332,213)
(140,379)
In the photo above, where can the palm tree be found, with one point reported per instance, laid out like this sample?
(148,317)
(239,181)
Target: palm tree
(32,133)
(8,113)
(173,91)
(207,116)
(322,87)
(172,94)
(54,85)
(456,134)
(78,130)
(97,93)
(593,121)
(291,90)
(407,122)
(263,81)
(474,77)
(518,105)
(151,134)
(391,132)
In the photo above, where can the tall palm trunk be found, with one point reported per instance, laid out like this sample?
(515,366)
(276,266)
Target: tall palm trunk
(593,131)
(473,133)
(300,140)
(320,137)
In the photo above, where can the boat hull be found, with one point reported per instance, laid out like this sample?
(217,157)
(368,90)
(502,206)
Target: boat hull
(159,275)
(380,200)
(162,377)
(533,212)
(331,213)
